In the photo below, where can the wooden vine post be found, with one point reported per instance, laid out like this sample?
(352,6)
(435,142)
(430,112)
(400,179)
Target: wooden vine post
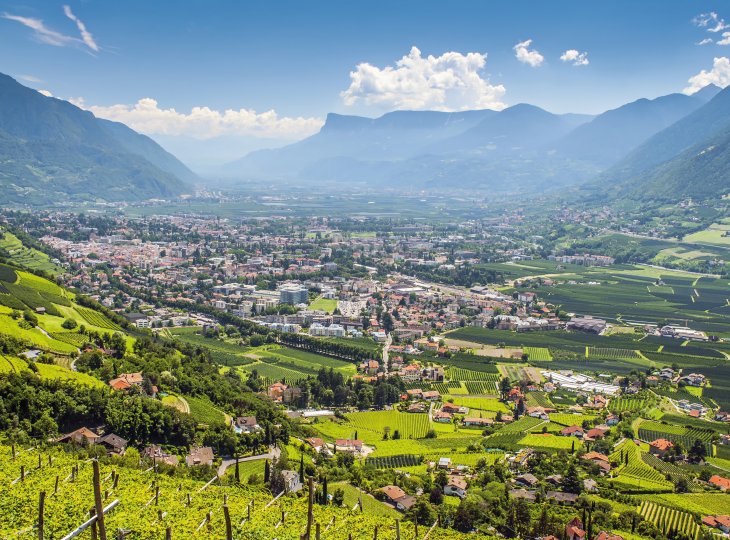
(98,507)
(310,512)
(41,510)
(397,529)
(227,516)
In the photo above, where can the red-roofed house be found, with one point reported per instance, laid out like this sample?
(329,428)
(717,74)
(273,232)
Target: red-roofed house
(660,447)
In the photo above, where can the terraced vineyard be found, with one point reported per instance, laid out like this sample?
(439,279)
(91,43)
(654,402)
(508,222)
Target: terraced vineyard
(669,520)
(666,468)
(95,318)
(612,354)
(204,411)
(137,508)
(636,475)
(650,431)
(466,375)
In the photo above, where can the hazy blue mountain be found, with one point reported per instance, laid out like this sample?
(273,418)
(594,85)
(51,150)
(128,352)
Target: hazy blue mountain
(50,150)
(613,134)
(696,128)
(421,148)
(690,158)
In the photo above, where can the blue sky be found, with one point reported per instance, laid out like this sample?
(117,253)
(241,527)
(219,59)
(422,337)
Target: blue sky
(295,59)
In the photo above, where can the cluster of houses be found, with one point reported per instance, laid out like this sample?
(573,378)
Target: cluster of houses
(117,446)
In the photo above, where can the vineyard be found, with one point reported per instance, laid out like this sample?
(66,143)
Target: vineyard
(634,474)
(147,504)
(465,375)
(95,318)
(409,426)
(481,388)
(612,354)
(538,354)
(669,520)
(627,404)
(204,411)
(686,436)
(394,462)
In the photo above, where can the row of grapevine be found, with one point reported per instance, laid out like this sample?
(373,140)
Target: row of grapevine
(669,520)
(393,462)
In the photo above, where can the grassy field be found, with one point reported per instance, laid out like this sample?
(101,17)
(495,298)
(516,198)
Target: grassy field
(324,304)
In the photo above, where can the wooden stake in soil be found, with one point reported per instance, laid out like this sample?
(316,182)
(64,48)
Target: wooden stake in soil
(97,501)
(227,516)
(397,529)
(41,509)
(55,487)
(168,533)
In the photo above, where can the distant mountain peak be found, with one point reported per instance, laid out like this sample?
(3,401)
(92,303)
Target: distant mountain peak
(56,151)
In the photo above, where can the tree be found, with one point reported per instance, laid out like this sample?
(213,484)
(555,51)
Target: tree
(69,324)
(505,386)
(301,469)
(267,472)
(338,497)
(682,486)
(698,450)
(422,512)
(571,481)
(436,496)
(522,517)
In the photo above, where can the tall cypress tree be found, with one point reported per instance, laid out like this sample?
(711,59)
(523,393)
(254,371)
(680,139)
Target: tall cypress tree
(267,472)
(301,469)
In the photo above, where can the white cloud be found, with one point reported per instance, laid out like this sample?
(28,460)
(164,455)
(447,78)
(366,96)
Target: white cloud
(718,75)
(86,36)
(203,122)
(51,37)
(527,56)
(710,21)
(705,41)
(29,78)
(46,93)
(450,82)
(41,32)
(575,57)
(725,39)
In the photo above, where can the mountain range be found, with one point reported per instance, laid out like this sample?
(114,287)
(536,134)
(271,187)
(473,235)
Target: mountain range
(667,148)
(517,149)
(51,150)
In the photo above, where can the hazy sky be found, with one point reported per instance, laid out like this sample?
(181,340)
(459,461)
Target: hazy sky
(240,74)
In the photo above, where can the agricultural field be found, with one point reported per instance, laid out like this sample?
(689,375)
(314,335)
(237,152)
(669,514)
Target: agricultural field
(549,442)
(649,431)
(538,399)
(701,503)
(409,426)
(204,411)
(68,507)
(478,404)
(94,318)
(538,354)
(628,403)
(669,520)
(24,256)
(634,474)
(394,462)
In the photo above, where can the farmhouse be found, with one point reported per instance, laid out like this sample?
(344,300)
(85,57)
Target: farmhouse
(392,493)
(478,422)
(718,522)
(660,447)
(158,455)
(348,445)
(114,444)
(442,417)
(720,482)
(292,482)
(456,486)
(199,455)
(126,380)
(572,431)
(81,436)
(245,424)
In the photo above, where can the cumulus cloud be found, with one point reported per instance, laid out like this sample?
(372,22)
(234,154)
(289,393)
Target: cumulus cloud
(46,93)
(718,75)
(710,21)
(725,39)
(86,36)
(147,117)
(450,82)
(575,57)
(526,56)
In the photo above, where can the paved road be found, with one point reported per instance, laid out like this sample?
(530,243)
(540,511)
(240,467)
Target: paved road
(227,462)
